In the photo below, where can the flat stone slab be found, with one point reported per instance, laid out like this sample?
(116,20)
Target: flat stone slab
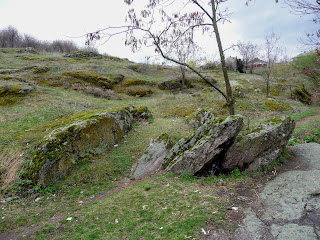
(289,206)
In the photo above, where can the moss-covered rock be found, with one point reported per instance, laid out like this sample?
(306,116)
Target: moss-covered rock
(133,82)
(302,95)
(12,92)
(261,146)
(274,105)
(75,138)
(91,77)
(83,54)
(137,91)
(140,113)
(39,70)
(202,151)
(173,84)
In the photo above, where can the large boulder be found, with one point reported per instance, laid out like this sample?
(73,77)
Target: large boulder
(261,147)
(203,151)
(77,137)
(152,157)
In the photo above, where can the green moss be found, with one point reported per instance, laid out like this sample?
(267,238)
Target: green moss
(13,92)
(83,54)
(302,95)
(276,106)
(133,82)
(91,77)
(274,121)
(74,138)
(39,70)
(139,91)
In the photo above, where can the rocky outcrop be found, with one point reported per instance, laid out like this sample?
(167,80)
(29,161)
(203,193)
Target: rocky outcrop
(152,157)
(77,137)
(200,117)
(261,147)
(83,54)
(204,150)
(175,84)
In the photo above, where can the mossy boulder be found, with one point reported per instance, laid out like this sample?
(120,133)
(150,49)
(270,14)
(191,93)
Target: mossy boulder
(136,91)
(13,91)
(75,138)
(274,105)
(39,70)
(91,77)
(175,84)
(302,95)
(134,81)
(203,151)
(140,113)
(261,146)
(83,54)
(152,157)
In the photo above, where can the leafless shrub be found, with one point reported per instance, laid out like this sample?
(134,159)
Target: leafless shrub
(11,38)
(99,92)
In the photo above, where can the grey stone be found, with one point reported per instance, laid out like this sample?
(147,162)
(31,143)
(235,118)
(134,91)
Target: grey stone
(26,90)
(261,147)
(152,157)
(288,207)
(200,117)
(202,151)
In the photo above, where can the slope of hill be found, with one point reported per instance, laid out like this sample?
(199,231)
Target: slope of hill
(97,199)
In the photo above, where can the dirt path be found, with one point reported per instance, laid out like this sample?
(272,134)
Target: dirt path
(307,119)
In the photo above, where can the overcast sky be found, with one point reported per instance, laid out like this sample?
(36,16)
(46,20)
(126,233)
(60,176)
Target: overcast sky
(62,19)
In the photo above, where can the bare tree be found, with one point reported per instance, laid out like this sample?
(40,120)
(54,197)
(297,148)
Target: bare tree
(161,24)
(271,54)
(10,37)
(248,51)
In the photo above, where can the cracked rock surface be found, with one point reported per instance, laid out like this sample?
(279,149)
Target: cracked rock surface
(289,205)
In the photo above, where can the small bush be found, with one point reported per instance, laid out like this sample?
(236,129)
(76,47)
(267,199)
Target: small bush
(98,92)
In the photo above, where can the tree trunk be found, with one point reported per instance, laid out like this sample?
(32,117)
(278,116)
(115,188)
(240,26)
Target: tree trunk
(183,75)
(230,100)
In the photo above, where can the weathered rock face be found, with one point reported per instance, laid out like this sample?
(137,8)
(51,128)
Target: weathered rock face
(261,147)
(152,157)
(79,136)
(203,150)
(200,117)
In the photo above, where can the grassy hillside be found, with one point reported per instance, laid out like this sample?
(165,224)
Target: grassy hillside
(97,194)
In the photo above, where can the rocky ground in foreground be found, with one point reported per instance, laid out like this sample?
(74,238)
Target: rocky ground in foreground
(288,207)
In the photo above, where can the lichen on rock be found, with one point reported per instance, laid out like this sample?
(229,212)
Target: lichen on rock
(261,146)
(205,148)
(199,117)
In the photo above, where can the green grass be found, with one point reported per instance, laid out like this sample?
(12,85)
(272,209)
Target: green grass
(164,211)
